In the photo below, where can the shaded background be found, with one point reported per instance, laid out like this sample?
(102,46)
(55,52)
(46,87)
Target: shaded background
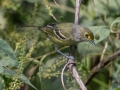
(42,65)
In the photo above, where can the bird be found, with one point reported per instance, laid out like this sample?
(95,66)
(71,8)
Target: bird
(67,34)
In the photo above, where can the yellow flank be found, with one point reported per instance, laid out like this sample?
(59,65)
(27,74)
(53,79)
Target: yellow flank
(62,42)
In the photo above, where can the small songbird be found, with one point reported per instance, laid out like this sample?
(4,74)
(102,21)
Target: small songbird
(67,34)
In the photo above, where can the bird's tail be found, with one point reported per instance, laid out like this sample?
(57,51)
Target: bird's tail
(26,28)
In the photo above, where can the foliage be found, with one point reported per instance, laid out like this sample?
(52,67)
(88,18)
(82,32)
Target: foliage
(27,57)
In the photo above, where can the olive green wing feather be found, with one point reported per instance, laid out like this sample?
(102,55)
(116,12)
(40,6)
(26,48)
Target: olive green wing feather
(65,29)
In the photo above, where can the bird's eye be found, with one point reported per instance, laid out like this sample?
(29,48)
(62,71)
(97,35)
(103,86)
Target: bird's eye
(86,35)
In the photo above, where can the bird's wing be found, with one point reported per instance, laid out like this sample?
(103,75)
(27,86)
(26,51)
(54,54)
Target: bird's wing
(61,31)
(65,30)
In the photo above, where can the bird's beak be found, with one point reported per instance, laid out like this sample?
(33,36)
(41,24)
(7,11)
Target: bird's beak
(93,43)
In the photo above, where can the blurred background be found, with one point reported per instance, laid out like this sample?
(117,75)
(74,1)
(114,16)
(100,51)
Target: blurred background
(41,64)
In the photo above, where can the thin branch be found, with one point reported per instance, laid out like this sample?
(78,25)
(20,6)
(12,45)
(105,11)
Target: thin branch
(49,9)
(56,2)
(78,79)
(75,75)
(101,65)
(71,66)
(104,50)
(77,12)
(73,70)
(73,48)
(62,75)
(54,17)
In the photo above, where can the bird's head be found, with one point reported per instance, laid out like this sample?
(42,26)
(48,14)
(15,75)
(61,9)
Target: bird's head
(88,35)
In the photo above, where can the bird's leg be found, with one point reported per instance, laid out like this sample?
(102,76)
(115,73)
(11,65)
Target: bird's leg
(57,50)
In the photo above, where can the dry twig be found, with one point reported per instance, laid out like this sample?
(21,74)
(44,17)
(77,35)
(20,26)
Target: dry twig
(62,75)
(56,3)
(101,65)
(77,12)
(71,65)
(73,70)
(104,50)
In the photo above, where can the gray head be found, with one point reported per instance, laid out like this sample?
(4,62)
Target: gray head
(82,33)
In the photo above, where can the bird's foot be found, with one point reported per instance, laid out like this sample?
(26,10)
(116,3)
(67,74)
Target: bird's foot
(70,57)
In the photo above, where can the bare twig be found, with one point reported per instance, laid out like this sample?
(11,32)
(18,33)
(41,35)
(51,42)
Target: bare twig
(56,3)
(62,75)
(77,12)
(71,63)
(78,79)
(101,65)
(54,17)
(71,66)
(104,50)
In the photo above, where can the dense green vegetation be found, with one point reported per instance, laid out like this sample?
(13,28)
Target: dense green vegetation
(28,60)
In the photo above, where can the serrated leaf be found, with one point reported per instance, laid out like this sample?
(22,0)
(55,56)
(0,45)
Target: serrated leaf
(7,55)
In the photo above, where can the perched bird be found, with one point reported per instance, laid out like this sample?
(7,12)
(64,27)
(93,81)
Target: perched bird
(67,34)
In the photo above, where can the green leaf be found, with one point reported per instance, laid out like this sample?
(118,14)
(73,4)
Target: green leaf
(118,88)
(10,74)
(101,31)
(100,82)
(116,21)
(117,43)
(24,79)
(1,83)
(7,56)
(6,72)
(113,25)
